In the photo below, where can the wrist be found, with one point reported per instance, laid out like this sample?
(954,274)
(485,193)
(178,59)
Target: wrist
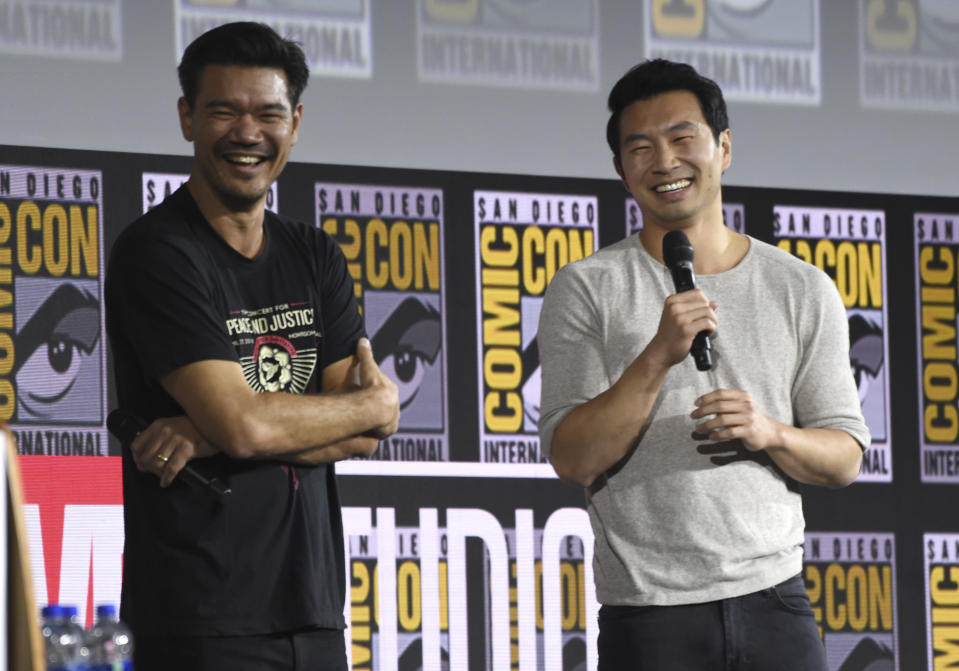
(653,362)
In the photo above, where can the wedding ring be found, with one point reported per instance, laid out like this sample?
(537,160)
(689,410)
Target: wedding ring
(162,458)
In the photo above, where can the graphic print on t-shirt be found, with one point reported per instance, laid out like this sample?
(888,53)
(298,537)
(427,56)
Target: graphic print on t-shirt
(277,346)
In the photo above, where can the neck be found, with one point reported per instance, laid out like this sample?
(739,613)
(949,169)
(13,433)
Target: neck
(241,227)
(717,247)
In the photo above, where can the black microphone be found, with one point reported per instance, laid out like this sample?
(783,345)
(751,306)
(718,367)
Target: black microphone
(678,255)
(125,427)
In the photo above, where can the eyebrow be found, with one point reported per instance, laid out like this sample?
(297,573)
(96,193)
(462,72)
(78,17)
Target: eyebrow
(681,126)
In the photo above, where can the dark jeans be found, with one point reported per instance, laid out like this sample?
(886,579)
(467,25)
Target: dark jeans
(772,629)
(319,650)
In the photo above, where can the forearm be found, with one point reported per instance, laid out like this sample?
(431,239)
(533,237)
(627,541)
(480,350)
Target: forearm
(358,446)
(823,457)
(601,432)
(327,427)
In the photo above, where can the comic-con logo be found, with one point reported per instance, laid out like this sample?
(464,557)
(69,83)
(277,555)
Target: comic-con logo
(537,589)
(522,240)
(848,245)
(850,580)
(335,35)
(757,50)
(573,592)
(937,306)
(941,556)
(909,50)
(392,240)
(52,368)
(550,44)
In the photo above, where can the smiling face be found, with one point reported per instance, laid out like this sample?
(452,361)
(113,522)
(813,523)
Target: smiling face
(670,161)
(242,128)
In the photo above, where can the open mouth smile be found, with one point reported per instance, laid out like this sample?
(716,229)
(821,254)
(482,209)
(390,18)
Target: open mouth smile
(244,159)
(672,186)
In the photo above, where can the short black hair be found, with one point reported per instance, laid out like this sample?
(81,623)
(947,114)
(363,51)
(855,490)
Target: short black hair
(653,77)
(248,44)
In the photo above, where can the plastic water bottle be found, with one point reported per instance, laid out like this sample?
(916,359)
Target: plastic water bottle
(81,653)
(51,628)
(59,639)
(110,642)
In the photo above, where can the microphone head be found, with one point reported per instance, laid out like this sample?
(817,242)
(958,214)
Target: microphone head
(676,249)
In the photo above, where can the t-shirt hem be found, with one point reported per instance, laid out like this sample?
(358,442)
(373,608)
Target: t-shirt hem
(773,576)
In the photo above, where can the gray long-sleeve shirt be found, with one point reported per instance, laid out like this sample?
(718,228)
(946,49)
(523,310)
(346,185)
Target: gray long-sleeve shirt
(684,520)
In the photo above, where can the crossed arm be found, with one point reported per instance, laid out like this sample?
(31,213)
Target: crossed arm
(359,406)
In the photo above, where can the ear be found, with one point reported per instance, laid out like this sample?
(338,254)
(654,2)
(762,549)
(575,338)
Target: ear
(726,147)
(619,171)
(297,117)
(186,119)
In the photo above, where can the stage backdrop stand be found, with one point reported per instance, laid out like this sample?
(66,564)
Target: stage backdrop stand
(20,640)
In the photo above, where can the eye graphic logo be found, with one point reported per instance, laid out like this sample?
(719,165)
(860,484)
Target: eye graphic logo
(869,655)
(865,352)
(57,367)
(277,366)
(407,345)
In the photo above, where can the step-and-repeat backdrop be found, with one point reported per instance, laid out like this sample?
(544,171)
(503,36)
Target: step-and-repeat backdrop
(464,550)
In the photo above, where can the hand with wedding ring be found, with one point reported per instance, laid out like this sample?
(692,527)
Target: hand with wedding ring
(167,445)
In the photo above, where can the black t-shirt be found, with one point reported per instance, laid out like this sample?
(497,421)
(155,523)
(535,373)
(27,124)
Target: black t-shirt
(268,557)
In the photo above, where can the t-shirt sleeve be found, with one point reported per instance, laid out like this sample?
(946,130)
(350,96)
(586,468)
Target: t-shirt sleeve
(824,391)
(163,306)
(343,323)
(570,352)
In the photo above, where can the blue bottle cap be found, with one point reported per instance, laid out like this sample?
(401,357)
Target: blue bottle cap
(106,610)
(52,610)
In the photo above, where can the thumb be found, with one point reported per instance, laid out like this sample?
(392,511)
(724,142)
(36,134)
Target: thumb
(364,350)
(364,358)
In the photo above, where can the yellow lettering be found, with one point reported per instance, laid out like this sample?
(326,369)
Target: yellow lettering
(502,326)
(569,587)
(939,332)
(56,239)
(939,381)
(408,596)
(377,272)
(84,242)
(945,647)
(936,265)
(870,275)
(29,257)
(401,255)
(499,246)
(891,25)
(534,277)
(682,18)
(426,251)
(8,399)
(944,596)
(503,411)
(835,609)
(880,597)
(941,422)
(452,11)
(6,225)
